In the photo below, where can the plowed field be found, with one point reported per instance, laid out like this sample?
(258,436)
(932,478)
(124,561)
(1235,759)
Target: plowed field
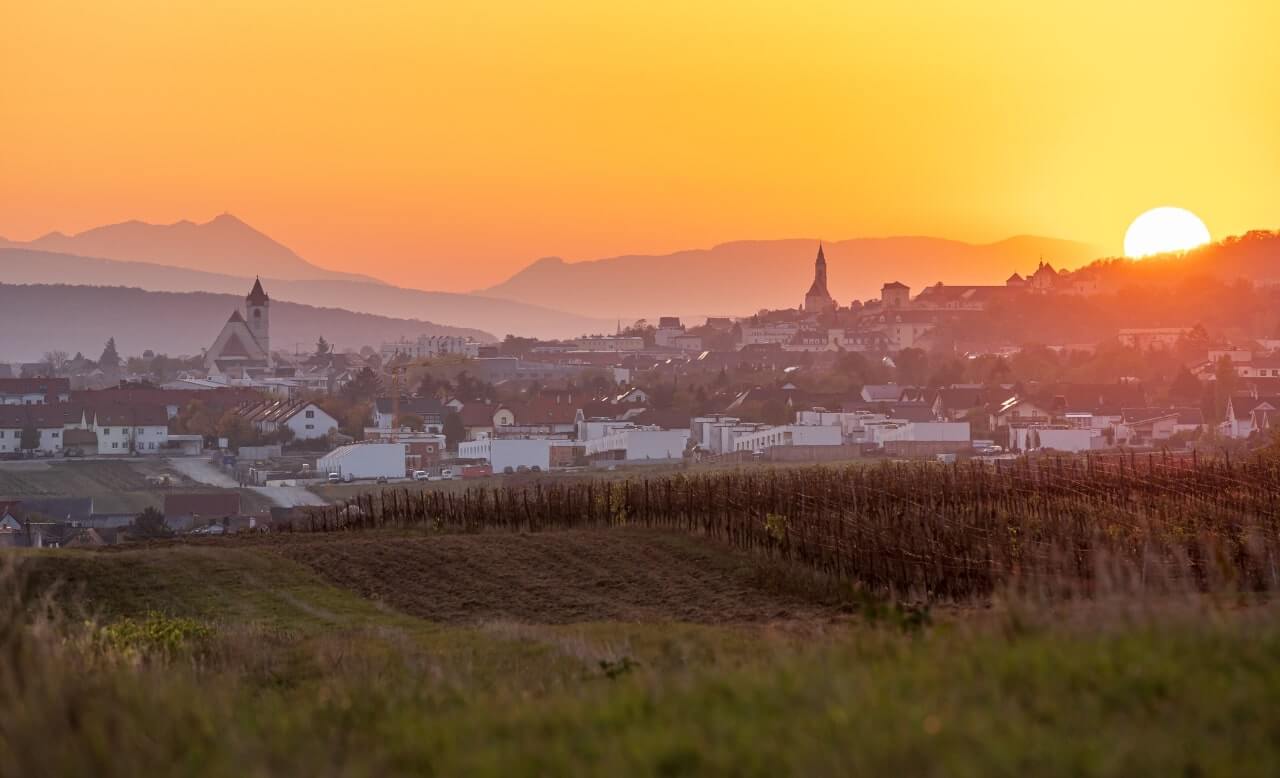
(552,577)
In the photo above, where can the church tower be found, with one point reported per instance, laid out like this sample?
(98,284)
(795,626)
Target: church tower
(257,308)
(819,300)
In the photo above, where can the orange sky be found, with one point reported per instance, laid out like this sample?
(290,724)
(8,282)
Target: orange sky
(445,145)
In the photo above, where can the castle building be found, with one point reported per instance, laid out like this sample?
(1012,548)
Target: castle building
(243,348)
(819,300)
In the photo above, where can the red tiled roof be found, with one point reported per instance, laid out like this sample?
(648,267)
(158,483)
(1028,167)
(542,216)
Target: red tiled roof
(208,505)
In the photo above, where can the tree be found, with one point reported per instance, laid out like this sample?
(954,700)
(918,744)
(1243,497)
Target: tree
(454,430)
(1224,385)
(30,438)
(150,524)
(323,347)
(56,360)
(237,430)
(913,366)
(1185,388)
(110,359)
(364,387)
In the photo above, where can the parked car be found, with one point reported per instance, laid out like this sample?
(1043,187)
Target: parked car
(508,470)
(446,474)
(536,469)
(421,475)
(382,479)
(335,478)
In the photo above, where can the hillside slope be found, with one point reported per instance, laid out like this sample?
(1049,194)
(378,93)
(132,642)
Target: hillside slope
(80,318)
(745,276)
(26,266)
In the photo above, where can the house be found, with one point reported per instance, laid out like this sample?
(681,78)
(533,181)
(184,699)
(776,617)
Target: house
(1151,338)
(1045,279)
(1021,411)
(955,403)
(429,409)
(669,328)
(305,419)
(481,419)
(875,393)
(634,395)
(44,423)
(129,430)
(34,391)
(182,512)
(9,516)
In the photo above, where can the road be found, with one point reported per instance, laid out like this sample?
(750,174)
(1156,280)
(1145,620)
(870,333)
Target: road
(289,496)
(204,472)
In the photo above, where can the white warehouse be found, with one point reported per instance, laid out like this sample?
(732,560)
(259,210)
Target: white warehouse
(365,460)
(789,435)
(640,445)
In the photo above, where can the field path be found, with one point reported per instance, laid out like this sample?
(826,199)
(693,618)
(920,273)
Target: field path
(289,496)
(201,471)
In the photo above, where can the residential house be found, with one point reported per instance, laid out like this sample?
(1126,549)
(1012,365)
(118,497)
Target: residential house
(429,409)
(129,430)
(43,421)
(34,391)
(305,419)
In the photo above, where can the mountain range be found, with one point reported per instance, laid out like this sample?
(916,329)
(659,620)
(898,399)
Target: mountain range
(25,266)
(745,276)
(225,243)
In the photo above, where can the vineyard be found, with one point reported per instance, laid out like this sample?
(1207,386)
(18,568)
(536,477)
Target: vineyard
(1050,527)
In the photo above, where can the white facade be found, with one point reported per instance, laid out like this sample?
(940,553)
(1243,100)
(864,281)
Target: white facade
(1055,439)
(311,422)
(365,460)
(758,334)
(641,444)
(514,453)
(610,343)
(789,435)
(125,441)
(920,432)
(11,440)
(428,346)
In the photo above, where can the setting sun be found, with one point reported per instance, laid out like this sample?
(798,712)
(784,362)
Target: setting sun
(1162,230)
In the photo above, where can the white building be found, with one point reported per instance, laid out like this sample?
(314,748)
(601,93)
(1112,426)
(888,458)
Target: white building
(761,334)
(609,343)
(514,453)
(305,419)
(640,444)
(919,432)
(365,460)
(428,346)
(125,430)
(789,435)
(34,391)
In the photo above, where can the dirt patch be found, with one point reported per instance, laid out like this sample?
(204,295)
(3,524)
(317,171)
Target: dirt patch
(552,577)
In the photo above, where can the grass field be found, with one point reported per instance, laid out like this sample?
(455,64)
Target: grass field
(606,652)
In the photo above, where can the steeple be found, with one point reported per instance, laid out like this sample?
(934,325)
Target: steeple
(819,299)
(256,295)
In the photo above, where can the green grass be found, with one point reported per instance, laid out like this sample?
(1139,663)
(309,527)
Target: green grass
(303,678)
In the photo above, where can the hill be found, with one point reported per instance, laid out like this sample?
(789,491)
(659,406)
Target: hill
(81,318)
(26,266)
(1254,256)
(225,244)
(745,276)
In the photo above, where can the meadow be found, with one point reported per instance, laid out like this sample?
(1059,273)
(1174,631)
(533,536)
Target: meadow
(1112,621)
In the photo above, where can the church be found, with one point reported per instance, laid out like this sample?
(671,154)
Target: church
(243,348)
(819,300)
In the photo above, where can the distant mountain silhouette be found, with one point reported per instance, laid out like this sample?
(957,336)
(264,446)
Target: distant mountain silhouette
(744,276)
(81,318)
(224,245)
(24,266)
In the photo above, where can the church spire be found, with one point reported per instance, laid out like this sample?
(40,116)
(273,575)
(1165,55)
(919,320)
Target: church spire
(257,296)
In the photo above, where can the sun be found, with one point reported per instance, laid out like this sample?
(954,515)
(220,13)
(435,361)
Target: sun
(1160,230)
